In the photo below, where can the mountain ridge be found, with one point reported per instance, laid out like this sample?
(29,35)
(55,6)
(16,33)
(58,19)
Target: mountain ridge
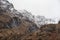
(15,25)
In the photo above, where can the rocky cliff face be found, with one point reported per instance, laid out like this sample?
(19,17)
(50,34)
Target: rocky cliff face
(23,25)
(7,9)
(13,24)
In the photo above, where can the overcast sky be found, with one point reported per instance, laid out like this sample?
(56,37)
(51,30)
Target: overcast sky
(47,8)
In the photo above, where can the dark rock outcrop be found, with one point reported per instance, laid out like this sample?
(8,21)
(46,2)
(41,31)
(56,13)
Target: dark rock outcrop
(12,24)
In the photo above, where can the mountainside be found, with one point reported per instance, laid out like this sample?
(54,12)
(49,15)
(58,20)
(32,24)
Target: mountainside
(22,25)
(8,9)
(46,32)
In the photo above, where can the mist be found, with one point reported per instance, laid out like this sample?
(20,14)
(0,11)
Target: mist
(47,8)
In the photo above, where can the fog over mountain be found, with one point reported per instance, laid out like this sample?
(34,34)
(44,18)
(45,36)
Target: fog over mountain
(47,8)
(24,25)
(24,14)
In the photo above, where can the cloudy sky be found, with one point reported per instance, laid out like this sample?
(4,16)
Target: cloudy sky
(47,8)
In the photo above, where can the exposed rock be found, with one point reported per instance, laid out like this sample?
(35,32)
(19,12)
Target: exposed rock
(12,24)
(8,8)
(23,25)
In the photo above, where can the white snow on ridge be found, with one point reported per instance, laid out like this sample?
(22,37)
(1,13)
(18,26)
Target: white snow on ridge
(39,20)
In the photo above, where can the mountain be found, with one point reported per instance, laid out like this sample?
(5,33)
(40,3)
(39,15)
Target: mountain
(8,9)
(22,25)
(46,32)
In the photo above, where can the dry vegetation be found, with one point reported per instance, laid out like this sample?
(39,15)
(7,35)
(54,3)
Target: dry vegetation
(17,27)
(23,31)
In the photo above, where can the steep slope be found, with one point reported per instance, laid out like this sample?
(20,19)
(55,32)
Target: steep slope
(46,32)
(23,25)
(23,14)
(12,25)
(17,33)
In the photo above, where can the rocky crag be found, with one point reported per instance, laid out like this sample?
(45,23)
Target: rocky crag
(23,25)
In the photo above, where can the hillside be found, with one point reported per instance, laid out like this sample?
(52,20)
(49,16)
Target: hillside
(23,25)
(46,32)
